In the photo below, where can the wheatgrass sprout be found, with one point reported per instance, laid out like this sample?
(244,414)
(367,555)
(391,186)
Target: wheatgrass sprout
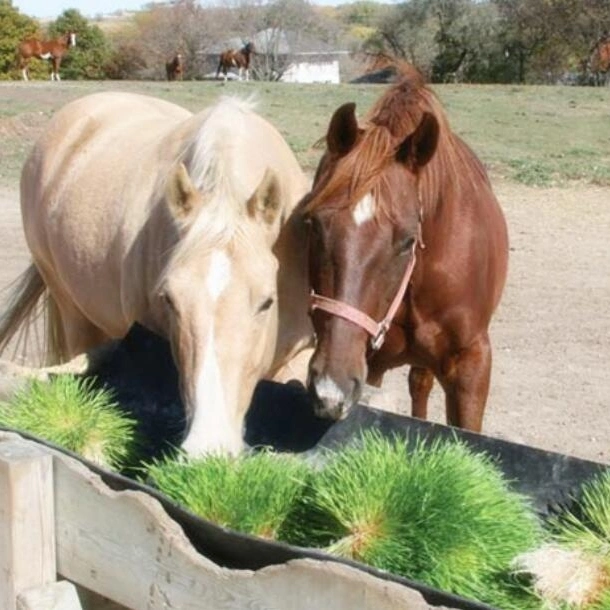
(70,412)
(588,527)
(583,534)
(251,493)
(435,512)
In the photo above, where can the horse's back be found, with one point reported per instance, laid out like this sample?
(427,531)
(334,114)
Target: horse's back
(85,192)
(94,130)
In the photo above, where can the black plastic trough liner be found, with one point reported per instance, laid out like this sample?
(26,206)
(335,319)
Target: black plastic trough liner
(142,374)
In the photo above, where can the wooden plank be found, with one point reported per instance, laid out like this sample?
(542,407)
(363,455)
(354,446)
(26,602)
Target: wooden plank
(55,596)
(27,527)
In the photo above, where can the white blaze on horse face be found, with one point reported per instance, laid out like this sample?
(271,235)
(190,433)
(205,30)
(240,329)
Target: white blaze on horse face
(72,39)
(364,210)
(329,392)
(219,274)
(212,429)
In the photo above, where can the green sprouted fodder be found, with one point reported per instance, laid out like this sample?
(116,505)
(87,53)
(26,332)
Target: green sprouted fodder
(251,493)
(70,412)
(435,512)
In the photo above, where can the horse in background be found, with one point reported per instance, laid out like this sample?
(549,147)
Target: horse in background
(135,210)
(407,257)
(53,50)
(236,59)
(599,60)
(175,68)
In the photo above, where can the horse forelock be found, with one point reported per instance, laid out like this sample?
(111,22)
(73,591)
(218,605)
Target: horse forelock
(213,158)
(394,117)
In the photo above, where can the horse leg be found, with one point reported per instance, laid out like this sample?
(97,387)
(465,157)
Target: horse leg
(465,378)
(421,381)
(247,74)
(24,69)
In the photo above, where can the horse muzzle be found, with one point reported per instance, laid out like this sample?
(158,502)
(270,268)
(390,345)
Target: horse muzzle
(333,399)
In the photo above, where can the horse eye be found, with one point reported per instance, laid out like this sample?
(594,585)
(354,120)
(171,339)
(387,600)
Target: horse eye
(405,245)
(168,301)
(265,305)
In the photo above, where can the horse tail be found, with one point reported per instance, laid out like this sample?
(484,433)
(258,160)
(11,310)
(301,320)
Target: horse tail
(28,299)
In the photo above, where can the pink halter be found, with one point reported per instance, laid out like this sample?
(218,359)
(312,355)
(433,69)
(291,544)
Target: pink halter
(377,330)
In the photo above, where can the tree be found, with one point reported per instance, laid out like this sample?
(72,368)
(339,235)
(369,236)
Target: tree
(157,34)
(406,32)
(284,26)
(14,27)
(89,58)
(468,41)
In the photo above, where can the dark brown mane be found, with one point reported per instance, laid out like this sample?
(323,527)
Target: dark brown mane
(394,116)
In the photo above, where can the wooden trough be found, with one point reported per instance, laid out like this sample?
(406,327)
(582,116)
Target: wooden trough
(65,523)
(59,520)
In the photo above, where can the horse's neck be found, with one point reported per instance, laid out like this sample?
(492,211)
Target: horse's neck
(295,330)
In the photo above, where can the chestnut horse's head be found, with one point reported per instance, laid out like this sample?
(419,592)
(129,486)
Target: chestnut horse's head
(364,213)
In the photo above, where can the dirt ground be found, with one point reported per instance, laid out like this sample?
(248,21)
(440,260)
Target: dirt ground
(551,335)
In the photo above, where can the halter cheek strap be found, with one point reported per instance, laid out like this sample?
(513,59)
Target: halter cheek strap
(377,330)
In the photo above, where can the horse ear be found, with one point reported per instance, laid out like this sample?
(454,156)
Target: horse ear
(265,202)
(182,196)
(419,147)
(342,130)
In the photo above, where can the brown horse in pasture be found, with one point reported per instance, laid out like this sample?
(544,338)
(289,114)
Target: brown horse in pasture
(599,60)
(53,50)
(236,59)
(135,210)
(175,68)
(407,258)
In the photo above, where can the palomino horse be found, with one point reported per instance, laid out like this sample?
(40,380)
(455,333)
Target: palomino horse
(236,59)
(136,210)
(53,50)
(599,60)
(408,257)
(175,68)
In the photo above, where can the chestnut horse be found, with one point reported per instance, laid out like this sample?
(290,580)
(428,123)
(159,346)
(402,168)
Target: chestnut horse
(408,257)
(175,68)
(53,50)
(599,60)
(236,59)
(135,210)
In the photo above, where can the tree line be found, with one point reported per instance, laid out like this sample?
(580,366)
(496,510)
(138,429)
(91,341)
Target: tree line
(483,41)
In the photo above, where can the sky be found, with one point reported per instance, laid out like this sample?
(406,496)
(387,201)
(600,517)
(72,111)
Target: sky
(90,8)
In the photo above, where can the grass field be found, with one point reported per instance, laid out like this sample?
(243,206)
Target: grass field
(534,135)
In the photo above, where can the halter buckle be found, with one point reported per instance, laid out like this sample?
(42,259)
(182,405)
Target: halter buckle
(379,338)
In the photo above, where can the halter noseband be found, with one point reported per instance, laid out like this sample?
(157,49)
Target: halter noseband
(377,330)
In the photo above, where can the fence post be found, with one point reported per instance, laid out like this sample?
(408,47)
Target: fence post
(27,521)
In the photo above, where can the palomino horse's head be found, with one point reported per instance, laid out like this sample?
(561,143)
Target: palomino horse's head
(364,213)
(219,297)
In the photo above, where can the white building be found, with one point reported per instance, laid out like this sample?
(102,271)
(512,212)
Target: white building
(291,57)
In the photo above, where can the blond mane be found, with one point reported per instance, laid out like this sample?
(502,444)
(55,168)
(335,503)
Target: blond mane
(213,157)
